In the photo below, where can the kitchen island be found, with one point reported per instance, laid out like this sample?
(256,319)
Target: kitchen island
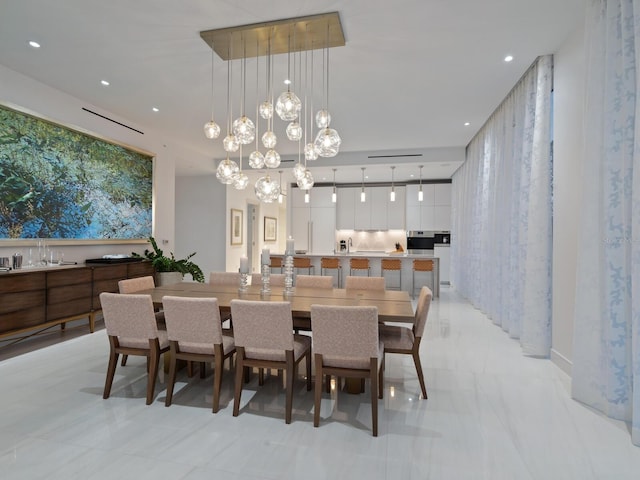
(375,259)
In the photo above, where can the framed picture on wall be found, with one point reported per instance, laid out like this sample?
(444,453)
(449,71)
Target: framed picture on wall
(270,229)
(236,227)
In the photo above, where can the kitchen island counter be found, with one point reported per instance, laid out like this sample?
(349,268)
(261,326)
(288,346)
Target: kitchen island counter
(375,258)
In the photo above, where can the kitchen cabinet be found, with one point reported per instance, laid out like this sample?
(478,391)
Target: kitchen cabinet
(377,212)
(313,224)
(444,254)
(434,212)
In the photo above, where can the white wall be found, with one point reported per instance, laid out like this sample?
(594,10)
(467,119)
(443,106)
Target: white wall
(569,78)
(200,210)
(22,92)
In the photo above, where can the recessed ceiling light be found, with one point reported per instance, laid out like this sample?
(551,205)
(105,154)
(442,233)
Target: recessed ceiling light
(104,82)
(287,82)
(508,58)
(155,109)
(466,124)
(34,44)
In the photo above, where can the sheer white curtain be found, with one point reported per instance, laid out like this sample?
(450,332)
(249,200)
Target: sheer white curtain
(606,364)
(501,208)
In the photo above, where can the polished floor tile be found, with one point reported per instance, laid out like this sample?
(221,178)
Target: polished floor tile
(492,413)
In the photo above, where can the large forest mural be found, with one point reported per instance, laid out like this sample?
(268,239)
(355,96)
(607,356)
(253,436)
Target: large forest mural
(56,182)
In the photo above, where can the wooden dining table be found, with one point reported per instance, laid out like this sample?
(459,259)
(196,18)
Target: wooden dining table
(393,305)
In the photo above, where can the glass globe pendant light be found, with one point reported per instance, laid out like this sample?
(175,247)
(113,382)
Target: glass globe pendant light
(298,170)
(227,171)
(305,182)
(327,142)
(288,104)
(241,180)
(267,190)
(211,128)
(323,118)
(294,131)
(230,142)
(243,128)
(272,159)
(266,110)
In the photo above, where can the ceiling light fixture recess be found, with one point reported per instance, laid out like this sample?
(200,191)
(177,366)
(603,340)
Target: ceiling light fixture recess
(34,44)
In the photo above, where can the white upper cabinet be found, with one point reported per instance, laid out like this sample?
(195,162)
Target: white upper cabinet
(377,212)
(345,211)
(434,212)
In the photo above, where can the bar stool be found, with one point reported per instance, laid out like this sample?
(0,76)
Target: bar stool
(302,262)
(359,264)
(392,264)
(421,266)
(331,263)
(275,262)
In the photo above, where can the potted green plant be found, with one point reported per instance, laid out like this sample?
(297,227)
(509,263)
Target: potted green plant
(164,264)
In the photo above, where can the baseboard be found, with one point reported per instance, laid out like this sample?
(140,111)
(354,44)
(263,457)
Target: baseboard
(562,362)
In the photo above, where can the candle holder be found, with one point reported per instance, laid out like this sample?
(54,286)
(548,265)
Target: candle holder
(266,280)
(243,282)
(288,274)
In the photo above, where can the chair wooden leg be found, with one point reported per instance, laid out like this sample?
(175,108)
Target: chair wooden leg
(154,360)
(289,393)
(189,368)
(124,360)
(261,376)
(203,370)
(308,362)
(374,397)
(217,377)
(328,383)
(111,370)
(381,379)
(318,390)
(173,367)
(416,360)
(238,386)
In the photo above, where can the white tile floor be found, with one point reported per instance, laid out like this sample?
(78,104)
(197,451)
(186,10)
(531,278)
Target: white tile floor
(492,413)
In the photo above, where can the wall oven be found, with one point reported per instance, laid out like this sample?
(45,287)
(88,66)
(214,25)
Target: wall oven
(420,241)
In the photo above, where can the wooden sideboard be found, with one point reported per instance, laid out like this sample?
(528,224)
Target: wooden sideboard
(32,299)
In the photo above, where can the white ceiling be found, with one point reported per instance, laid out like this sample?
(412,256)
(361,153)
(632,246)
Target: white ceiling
(411,74)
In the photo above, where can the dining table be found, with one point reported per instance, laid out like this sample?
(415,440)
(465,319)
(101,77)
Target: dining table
(392,305)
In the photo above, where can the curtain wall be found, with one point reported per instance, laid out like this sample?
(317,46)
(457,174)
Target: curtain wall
(606,370)
(501,209)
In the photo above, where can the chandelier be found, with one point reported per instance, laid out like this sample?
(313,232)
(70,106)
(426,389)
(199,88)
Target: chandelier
(266,40)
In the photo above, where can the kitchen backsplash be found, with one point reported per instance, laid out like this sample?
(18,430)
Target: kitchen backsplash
(368,241)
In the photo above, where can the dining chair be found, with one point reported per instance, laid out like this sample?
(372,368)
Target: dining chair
(224,278)
(275,279)
(314,281)
(195,334)
(346,344)
(133,285)
(405,340)
(264,338)
(131,326)
(364,283)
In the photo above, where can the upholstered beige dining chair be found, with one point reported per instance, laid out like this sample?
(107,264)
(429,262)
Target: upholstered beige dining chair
(314,281)
(405,340)
(275,279)
(346,344)
(195,334)
(133,285)
(264,338)
(132,330)
(364,283)
(224,278)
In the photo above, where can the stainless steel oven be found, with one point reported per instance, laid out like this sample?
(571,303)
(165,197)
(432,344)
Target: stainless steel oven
(420,241)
